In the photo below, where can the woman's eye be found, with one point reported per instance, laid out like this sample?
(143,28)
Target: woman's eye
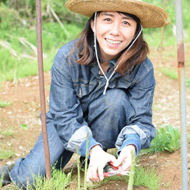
(107,19)
(126,23)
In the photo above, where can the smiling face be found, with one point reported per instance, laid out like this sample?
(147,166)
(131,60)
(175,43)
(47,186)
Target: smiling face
(114,32)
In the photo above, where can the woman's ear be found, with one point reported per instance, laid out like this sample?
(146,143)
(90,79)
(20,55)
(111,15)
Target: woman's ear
(92,25)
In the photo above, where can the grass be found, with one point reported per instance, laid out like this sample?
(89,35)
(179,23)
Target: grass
(188,82)
(147,177)
(58,181)
(169,73)
(173,75)
(18,49)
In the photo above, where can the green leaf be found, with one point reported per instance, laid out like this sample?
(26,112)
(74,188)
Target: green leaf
(24,126)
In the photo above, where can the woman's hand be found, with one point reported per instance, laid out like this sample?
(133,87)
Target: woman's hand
(98,159)
(125,157)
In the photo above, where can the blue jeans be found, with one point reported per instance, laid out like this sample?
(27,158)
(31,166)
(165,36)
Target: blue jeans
(106,116)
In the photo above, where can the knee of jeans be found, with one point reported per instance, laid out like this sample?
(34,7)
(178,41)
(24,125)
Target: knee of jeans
(115,100)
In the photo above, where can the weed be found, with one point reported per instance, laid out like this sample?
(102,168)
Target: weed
(5,154)
(147,177)
(167,138)
(4,104)
(167,185)
(8,133)
(24,126)
(174,138)
(58,181)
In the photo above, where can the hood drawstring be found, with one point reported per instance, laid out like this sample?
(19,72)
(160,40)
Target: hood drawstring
(95,46)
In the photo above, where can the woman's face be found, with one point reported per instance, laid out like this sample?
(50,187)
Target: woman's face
(114,32)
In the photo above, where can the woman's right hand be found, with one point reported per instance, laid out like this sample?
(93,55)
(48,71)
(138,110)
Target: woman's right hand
(98,159)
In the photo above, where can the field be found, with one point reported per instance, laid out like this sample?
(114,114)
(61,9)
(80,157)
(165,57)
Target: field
(20,124)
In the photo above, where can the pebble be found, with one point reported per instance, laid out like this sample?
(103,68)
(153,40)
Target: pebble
(153,157)
(10,162)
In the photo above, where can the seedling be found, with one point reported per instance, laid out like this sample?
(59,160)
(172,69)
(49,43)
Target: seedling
(24,126)
(4,104)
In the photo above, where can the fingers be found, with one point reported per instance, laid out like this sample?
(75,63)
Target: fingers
(96,166)
(126,164)
(100,173)
(113,161)
(125,157)
(95,173)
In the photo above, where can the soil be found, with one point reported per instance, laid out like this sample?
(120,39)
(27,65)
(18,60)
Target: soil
(25,108)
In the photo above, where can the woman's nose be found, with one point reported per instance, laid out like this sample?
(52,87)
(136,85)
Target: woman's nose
(115,29)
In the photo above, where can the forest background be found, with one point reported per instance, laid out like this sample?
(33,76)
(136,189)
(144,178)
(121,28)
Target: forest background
(18,49)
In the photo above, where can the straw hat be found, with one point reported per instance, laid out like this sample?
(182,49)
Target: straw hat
(150,15)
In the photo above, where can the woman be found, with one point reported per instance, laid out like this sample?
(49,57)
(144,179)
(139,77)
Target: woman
(101,91)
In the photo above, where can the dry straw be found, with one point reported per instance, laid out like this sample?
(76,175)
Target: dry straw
(150,15)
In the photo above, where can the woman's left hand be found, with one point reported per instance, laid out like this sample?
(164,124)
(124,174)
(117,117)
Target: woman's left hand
(125,157)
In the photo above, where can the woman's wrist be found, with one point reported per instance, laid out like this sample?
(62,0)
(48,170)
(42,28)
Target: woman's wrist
(95,147)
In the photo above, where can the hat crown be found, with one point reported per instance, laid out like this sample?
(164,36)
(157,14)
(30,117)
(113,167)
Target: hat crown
(150,15)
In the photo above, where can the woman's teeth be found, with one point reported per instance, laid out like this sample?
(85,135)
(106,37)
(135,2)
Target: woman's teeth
(113,42)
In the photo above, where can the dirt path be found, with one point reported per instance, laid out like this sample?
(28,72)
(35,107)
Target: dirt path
(25,110)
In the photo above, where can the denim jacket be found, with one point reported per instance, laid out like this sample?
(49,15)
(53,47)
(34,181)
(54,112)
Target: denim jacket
(75,86)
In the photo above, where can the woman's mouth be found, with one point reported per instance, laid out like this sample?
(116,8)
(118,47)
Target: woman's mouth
(113,41)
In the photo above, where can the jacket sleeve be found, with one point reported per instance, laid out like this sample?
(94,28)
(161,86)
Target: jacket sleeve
(65,110)
(140,130)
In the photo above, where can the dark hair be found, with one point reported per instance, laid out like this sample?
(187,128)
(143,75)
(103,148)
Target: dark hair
(134,56)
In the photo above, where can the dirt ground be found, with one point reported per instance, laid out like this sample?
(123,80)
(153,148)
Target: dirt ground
(25,109)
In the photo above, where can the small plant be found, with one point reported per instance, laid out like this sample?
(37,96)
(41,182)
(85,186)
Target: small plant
(24,126)
(58,181)
(167,138)
(8,133)
(147,178)
(4,104)
(167,185)
(5,154)
(174,138)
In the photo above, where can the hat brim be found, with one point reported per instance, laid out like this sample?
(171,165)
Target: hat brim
(150,15)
